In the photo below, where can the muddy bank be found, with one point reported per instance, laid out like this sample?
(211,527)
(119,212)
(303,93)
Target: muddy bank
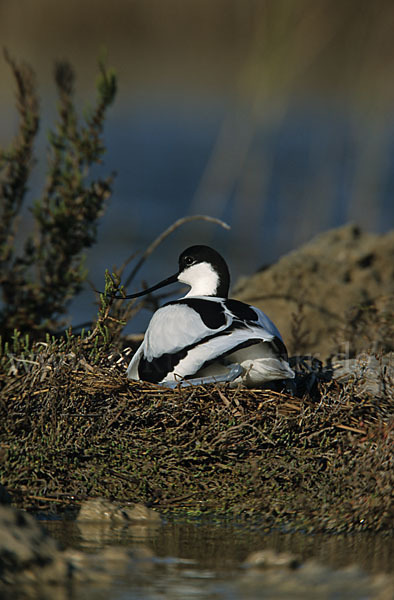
(332,295)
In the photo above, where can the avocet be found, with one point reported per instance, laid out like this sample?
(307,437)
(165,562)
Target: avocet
(206,337)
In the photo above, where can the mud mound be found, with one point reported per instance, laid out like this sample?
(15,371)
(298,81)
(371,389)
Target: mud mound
(335,294)
(71,430)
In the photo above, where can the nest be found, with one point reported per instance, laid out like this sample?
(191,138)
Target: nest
(72,429)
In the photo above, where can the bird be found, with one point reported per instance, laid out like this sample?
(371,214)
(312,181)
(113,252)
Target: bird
(206,337)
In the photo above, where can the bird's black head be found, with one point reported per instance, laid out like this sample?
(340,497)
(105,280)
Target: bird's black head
(203,268)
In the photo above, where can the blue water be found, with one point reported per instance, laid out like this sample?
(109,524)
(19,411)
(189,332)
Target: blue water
(308,186)
(293,178)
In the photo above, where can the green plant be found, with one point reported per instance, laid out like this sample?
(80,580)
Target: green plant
(38,283)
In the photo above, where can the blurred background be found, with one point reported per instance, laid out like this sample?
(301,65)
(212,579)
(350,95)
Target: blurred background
(276,116)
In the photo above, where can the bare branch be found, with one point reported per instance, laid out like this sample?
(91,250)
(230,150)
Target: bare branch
(152,247)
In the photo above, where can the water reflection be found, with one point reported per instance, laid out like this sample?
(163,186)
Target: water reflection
(204,558)
(221,545)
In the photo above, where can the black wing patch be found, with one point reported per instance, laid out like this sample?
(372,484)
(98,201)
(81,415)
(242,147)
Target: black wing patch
(242,311)
(211,313)
(156,369)
(279,348)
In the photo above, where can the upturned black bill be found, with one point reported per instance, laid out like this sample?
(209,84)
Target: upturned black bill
(168,281)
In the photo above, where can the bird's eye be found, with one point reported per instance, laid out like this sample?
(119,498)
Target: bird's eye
(188,260)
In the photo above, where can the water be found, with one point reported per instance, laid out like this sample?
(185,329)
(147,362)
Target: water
(162,157)
(276,117)
(203,558)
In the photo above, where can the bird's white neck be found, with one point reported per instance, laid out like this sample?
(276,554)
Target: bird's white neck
(202,278)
